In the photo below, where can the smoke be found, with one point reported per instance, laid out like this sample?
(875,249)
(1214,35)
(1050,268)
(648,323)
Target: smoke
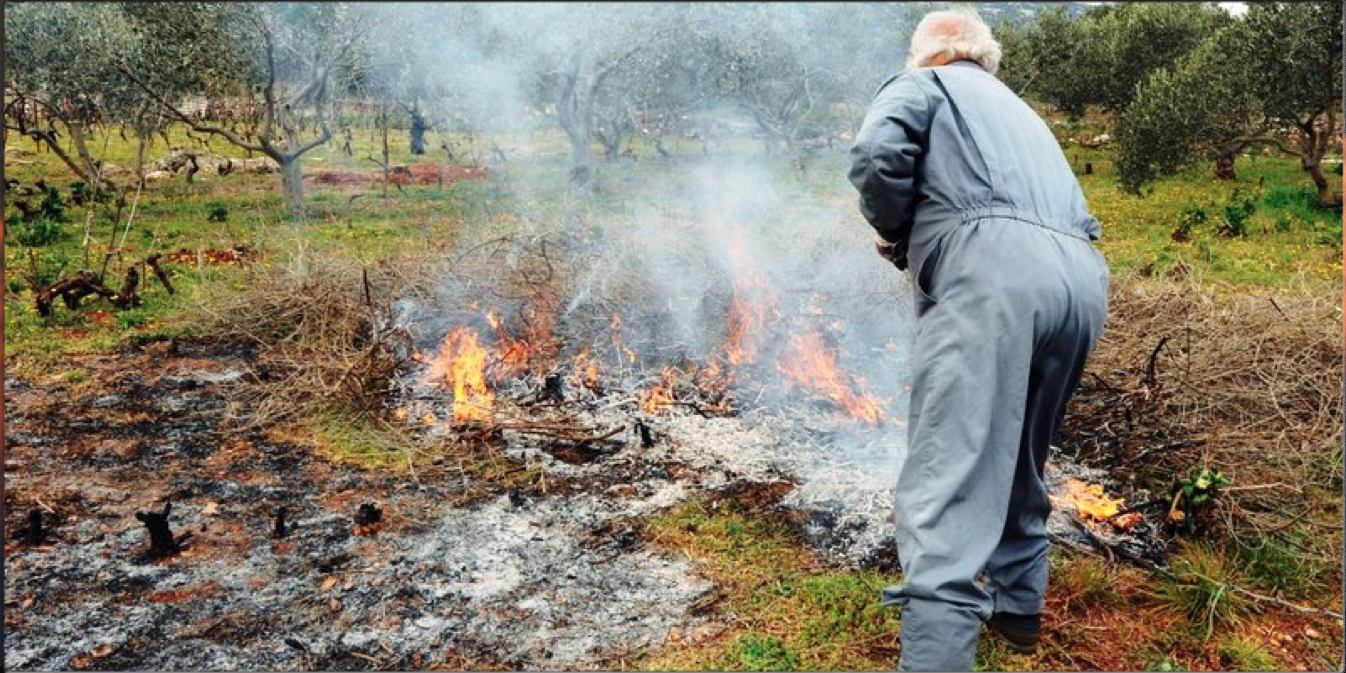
(721,244)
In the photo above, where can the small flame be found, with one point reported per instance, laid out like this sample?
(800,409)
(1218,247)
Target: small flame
(461,363)
(584,369)
(811,365)
(662,394)
(1088,500)
(537,349)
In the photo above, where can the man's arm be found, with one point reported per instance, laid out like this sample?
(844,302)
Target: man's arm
(883,163)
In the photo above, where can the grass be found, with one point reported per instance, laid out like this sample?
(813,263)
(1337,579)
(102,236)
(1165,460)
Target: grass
(1200,586)
(1242,653)
(787,612)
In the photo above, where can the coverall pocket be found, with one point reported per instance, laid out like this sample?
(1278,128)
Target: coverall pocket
(924,276)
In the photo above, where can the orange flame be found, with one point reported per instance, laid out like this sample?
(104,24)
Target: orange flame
(1091,503)
(584,369)
(536,349)
(753,304)
(662,394)
(747,322)
(461,363)
(811,365)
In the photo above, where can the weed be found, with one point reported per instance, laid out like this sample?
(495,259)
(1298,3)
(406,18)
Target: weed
(1199,584)
(1188,221)
(217,212)
(1086,579)
(1194,492)
(1276,565)
(1245,654)
(131,319)
(38,233)
(1235,214)
(755,652)
(52,206)
(1163,664)
(357,440)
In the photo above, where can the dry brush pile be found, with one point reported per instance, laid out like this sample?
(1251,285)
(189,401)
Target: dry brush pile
(1190,376)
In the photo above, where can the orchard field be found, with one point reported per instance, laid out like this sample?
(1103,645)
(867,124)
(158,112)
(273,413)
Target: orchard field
(673,450)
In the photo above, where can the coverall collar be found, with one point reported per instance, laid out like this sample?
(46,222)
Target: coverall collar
(965,62)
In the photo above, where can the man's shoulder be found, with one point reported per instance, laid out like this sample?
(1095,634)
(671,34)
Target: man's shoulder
(907,80)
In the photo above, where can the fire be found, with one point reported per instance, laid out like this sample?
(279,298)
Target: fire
(747,323)
(753,304)
(811,365)
(536,349)
(662,394)
(1090,501)
(584,369)
(461,363)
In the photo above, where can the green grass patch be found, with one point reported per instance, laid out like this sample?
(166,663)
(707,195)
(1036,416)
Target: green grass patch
(788,613)
(1240,653)
(359,440)
(1200,585)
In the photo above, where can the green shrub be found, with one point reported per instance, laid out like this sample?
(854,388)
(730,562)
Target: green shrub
(217,212)
(1188,221)
(1235,214)
(39,233)
(52,207)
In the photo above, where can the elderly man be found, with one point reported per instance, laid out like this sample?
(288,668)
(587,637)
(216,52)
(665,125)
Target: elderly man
(966,185)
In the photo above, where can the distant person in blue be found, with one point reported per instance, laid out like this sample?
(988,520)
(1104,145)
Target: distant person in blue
(970,193)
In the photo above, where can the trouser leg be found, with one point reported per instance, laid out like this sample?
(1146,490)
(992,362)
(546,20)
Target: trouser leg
(1017,570)
(968,398)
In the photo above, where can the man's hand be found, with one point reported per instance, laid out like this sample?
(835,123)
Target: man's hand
(893,252)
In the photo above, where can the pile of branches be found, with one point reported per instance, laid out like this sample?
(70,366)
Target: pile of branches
(326,336)
(1187,376)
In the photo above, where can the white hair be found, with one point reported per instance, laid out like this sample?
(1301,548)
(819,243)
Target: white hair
(957,34)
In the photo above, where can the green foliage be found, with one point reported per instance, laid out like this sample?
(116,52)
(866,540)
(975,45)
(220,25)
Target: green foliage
(52,206)
(1100,57)
(80,194)
(1248,80)
(755,652)
(38,233)
(1235,214)
(1199,486)
(217,212)
(1277,564)
(1188,221)
(132,318)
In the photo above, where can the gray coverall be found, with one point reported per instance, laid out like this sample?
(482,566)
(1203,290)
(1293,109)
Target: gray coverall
(1010,299)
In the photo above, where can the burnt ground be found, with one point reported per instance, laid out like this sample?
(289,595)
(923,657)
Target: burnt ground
(457,572)
(504,581)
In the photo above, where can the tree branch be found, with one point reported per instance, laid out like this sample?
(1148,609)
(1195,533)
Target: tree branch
(227,134)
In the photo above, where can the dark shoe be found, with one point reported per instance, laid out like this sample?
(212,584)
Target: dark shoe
(1020,631)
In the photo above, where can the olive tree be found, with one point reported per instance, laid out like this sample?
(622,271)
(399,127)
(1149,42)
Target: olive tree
(1098,57)
(1200,108)
(306,53)
(1293,56)
(61,79)
(1272,77)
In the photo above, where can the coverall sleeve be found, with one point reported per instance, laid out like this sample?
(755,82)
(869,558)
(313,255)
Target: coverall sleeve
(885,155)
